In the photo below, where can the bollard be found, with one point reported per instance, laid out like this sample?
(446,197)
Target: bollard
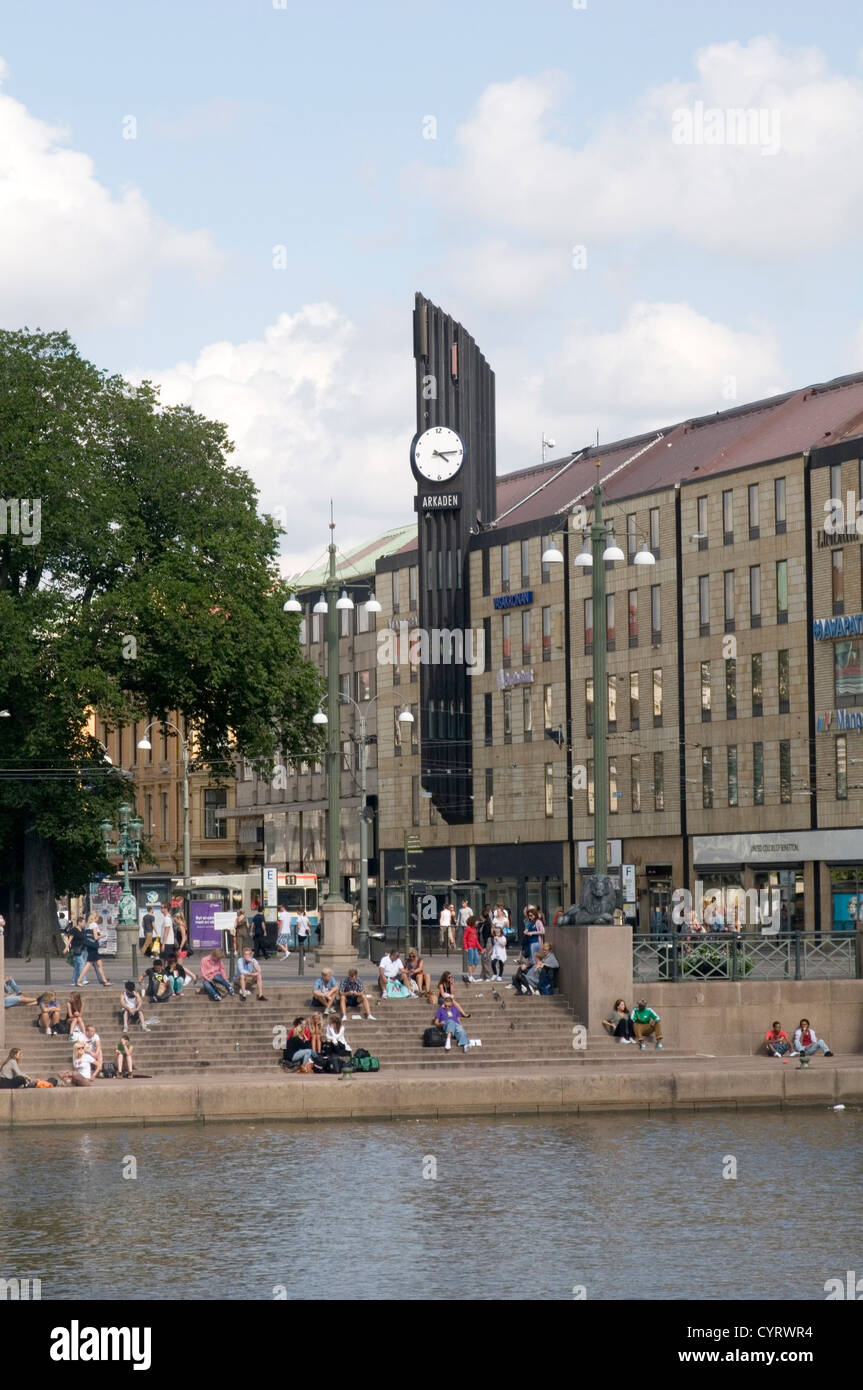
(135,963)
(47,969)
(301,969)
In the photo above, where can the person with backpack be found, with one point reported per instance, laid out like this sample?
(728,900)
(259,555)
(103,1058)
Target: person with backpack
(77,951)
(92,937)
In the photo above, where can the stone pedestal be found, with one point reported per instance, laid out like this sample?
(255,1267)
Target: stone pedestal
(337,950)
(595,969)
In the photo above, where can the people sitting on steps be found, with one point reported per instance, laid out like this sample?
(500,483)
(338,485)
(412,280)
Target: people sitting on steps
(619,1022)
(11,1075)
(132,1006)
(446,987)
(156,981)
(303,1042)
(335,1043)
(806,1043)
(213,979)
(417,974)
(326,992)
(392,974)
(644,1022)
(124,1056)
(448,1016)
(248,973)
(776,1042)
(353,995)
(12,995)
(49,1011)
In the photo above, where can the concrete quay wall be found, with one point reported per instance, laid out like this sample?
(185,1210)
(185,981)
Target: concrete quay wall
(725,1084)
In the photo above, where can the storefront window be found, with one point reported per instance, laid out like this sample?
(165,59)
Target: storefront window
(848,672)
(789,882)
(846,891)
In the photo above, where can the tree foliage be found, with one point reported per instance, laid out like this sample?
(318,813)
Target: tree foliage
(150,585)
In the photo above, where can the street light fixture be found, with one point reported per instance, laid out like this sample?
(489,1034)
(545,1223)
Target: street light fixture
(345,601)
(321,605)
(292,605)
(644,556)
(128,846)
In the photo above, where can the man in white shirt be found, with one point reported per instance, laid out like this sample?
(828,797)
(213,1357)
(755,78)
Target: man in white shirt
(304,928)
(447,930)
(392,968)
(283,940)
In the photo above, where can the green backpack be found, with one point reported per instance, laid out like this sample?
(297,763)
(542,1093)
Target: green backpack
(366,1063)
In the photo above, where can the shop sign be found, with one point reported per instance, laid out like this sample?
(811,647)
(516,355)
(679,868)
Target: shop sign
(586,857)
(788,847)
(849,625)
(507,679)
(837,720)
(514,600)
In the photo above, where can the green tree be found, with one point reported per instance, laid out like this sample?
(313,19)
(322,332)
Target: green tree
(136,579)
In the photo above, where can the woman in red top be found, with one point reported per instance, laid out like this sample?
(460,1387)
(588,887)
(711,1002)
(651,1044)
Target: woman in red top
(471,944)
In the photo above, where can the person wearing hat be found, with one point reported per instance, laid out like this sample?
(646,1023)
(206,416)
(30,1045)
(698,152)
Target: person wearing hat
(644,1022)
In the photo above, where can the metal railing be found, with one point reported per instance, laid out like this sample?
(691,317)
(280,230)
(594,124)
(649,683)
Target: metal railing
(747,956)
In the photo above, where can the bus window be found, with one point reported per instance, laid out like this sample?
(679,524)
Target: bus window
(311,900)
(236,899)
(292,898)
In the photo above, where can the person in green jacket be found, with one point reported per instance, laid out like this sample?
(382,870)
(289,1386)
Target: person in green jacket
(645,1021)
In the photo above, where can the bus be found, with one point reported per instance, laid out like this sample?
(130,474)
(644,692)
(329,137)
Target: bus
(296,891)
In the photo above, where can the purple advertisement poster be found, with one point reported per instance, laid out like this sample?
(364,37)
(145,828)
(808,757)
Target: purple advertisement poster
(205,934)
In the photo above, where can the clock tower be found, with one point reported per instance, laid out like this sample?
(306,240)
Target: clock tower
(453,461)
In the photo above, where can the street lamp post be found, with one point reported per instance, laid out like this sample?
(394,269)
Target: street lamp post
(128,847)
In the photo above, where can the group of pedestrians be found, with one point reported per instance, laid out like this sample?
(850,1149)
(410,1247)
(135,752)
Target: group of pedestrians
(81,943)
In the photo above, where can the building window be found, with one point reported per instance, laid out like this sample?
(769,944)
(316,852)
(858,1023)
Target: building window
(214,799)
(782,591)
(757,688)
(507,716)
(654,531)
(635,782)
(701,524)
(489,720)
(588,626)
(489,793)
(728,594)
(527,711)
(588,705)
(779,505)
(549,789)
(413,588)
(837,563)
(415,729)
(731,764)
(655,614)
(135,742)
(631,537)
(835,483)
(486,638)
(707,779)
(785,770)
(847,668)
(394,580)
(658,783)
(728,517)
(612,703)
(632,603)
(345,624)
(316,627)
(613,803)
(754,525)
(504,569)
(525,563)
(506,639)
(364,685)
(546,634)
(151,824)
(415,800)
(591,804)
(841,768)
(364,617)
(758,774)
(163,803)
(347,758)
(303,635)
(730,687)
(525,637)
(705,692)
(704,605)
(657,699)
(545,569)
(397,731)
(546,707)
(754,595)
(345,686)
(609,622)
(486,573)
(633,700)
(784,681)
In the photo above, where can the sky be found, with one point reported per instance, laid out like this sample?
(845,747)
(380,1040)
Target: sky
(237,199)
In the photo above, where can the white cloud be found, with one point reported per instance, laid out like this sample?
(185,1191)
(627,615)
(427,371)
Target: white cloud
(630,177)
(664,363)
(72,254)
(317,410)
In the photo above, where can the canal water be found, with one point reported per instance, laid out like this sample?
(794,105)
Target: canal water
(603,1207)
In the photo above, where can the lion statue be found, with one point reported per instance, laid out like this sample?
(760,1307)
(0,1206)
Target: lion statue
(596,905)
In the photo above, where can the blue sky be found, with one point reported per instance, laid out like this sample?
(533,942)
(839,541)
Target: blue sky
(303,128)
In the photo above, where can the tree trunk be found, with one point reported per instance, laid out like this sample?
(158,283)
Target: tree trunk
(40,916)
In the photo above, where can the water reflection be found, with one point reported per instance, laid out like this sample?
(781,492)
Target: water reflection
(518,1208)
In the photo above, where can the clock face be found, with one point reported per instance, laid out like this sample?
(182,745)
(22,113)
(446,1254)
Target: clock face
(438,454)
